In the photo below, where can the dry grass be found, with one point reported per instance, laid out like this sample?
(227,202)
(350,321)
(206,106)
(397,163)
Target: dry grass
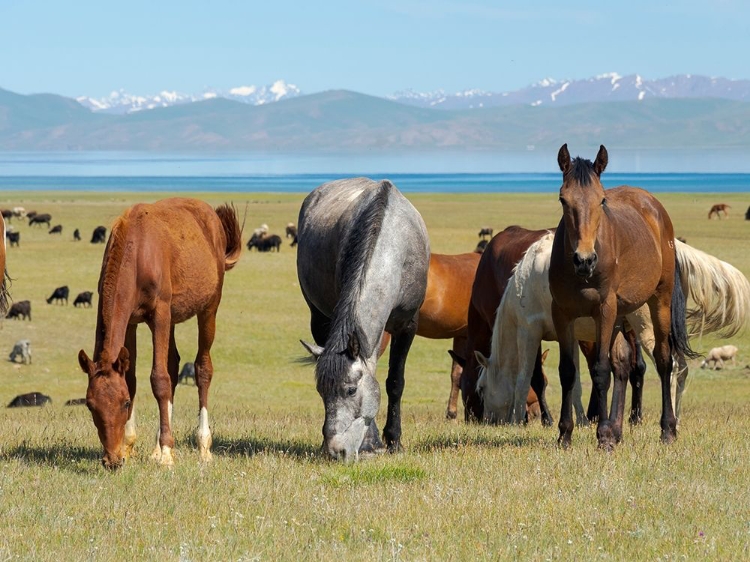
(458,492)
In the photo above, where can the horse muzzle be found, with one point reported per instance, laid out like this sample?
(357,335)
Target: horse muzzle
(584,265)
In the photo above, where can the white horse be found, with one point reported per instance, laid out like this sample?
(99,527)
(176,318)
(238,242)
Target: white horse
(523,319)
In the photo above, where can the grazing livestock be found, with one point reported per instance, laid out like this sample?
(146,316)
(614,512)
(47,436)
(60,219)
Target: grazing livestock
(31,214)
(362,264)
(13,237)
(77,235)
(20,310)
(291,230)
(718,209)
(84,299)
(99,236)
(613,251)
(57,229)
(75,402)
(30,399)
(264,243)
(187,373)
(747,214)
(718,355)
(481,246)
(485,231)
(294,241)
(20,212)
(59,295)
(22,349)
(43,218)
(7,214)
(164,263)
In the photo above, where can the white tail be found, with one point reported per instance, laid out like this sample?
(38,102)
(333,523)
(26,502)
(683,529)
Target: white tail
(720,292)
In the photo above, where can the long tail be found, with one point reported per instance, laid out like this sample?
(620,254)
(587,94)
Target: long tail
(719,291)
(228,217)
(678,334)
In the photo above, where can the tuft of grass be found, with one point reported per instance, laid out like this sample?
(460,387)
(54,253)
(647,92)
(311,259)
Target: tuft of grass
(365,474)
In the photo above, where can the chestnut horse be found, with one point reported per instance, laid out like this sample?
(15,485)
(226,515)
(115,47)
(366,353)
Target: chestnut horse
(164,263)
(613,251)
(495,268)
(444,312)
(3,275)
(718,209)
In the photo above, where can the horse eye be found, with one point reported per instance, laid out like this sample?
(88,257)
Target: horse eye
(126,405)
(604,201)
(562,201)
(351,391)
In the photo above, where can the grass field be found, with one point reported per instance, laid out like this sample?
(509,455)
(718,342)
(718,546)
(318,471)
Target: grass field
(458,492)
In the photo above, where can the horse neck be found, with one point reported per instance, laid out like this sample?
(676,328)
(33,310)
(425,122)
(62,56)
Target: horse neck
(117,293)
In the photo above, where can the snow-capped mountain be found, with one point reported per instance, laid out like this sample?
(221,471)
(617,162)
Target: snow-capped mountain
(120,102)
(605,87)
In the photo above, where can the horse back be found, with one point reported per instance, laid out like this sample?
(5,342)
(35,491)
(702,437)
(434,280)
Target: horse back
(172,250)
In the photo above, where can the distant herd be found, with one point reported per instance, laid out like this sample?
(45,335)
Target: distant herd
(369,279)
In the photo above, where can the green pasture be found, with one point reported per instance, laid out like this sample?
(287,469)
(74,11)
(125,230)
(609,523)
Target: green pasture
(457,492)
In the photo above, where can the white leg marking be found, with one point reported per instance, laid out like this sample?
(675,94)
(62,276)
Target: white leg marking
(158,450)
(130,435)
(203,435)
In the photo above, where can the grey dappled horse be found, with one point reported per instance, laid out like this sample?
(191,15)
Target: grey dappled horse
(362,264)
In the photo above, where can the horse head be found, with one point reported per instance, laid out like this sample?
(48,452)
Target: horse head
(108,400)
(496,390)
(583,201)
(351,396)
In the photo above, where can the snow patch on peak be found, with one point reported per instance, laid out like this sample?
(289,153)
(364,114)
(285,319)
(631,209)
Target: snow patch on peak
(243,91)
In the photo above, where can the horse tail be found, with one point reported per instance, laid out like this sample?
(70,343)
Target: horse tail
(720,292)
(678,334)
(228,216)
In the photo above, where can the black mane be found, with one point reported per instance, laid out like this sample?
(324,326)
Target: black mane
(352,265)
(581,170)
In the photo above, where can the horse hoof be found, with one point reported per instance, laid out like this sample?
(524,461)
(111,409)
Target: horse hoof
(166,460)
(395,448)
(668,437)
(583,421)
(564,441)
(606,445)
(206,456)
(450,415)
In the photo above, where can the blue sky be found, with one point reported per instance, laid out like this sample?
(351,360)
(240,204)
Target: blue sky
(91,48)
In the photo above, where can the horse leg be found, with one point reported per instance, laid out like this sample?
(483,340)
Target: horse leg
(539,385)
(320,324)
(637,374)
(451,412)
(130,436)
(394,384)
(588,348)
(567,342)
(582,419)
(602,374)
(679,384)
(620,359)
(661,317)
(204,372)
(161,384)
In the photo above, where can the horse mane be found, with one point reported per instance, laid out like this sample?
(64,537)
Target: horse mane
(113,256)
(357,250)
(581,170)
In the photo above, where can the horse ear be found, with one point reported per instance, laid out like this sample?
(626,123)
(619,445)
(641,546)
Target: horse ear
(122,363)
(314,350)
(544,355)
(483,361)
(87,365)
(602,158)
(353,347)
(563,159)
(457,358)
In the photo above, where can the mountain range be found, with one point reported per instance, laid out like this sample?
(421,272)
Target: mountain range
(341,121)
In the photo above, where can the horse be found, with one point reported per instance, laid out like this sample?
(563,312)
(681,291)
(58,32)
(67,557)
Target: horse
(444,312)
(291,230)
(613,251)
(362,263)
(495,268)
(718,209)
(4,279)
(485,231)
(163,264)
(718,355)
(524,318)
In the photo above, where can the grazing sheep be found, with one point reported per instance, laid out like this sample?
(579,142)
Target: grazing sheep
(60,294)
(84,299)
(718,355)
(485,231)
(99,235)
(57,229)
(20,310)
(22,349)
(30,399)
(187,374)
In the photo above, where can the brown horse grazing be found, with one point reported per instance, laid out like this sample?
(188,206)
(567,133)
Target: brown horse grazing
(718,209)
(444,312)
(164,263)
(495,268)
(3,275)
(613,252)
